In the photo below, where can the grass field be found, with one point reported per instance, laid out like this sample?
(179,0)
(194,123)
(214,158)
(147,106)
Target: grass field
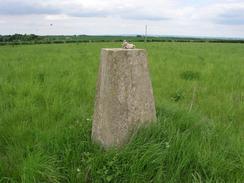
(46,105)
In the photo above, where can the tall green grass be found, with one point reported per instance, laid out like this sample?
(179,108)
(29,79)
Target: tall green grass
(46,105)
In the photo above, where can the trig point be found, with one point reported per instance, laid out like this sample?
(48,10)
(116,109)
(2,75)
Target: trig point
(124,97)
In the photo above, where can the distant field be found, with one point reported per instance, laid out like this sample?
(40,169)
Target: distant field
(29,39)
(46,105)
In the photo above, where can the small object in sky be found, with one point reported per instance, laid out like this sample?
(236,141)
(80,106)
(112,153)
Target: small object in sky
(127,45)
(51,24)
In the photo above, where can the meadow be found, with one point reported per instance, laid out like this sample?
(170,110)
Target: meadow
(46,105)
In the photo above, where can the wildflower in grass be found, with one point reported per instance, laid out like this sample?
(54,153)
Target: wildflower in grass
(88,119)
(78,170)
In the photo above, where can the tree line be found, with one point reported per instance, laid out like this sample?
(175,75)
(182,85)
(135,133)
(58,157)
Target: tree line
(19,37)
(16,39)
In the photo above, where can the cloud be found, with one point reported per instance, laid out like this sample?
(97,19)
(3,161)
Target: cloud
(171,17)
(232,17)
(225,12)
(25,8)
(107,8)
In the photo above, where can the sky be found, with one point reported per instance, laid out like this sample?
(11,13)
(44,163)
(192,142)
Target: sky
(211,18)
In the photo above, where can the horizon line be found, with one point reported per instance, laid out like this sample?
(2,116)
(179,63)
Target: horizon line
(124,35)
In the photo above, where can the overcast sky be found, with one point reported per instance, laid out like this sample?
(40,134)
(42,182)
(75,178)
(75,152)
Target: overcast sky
(221,18)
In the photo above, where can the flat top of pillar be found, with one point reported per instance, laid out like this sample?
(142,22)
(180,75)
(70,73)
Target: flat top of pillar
(122,49)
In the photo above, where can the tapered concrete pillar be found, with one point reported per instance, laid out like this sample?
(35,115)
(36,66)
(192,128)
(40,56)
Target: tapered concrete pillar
(124,98)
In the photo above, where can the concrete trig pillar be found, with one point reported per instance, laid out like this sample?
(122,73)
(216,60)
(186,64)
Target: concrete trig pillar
(124,97)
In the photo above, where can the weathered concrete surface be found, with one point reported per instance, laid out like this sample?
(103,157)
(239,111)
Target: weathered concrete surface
(124,98)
